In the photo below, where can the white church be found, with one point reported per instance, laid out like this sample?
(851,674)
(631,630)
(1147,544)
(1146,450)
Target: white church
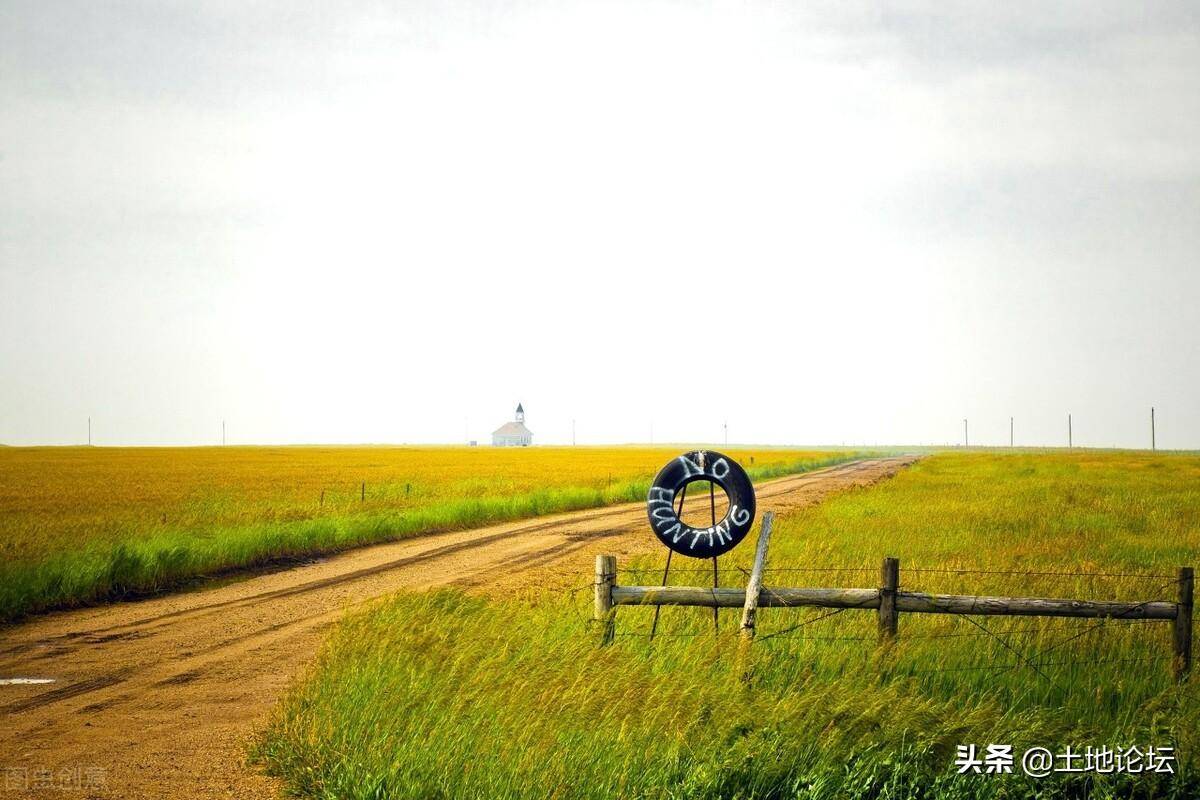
(513,434)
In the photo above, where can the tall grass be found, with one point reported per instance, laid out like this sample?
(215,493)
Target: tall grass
(154,559)
(444,695)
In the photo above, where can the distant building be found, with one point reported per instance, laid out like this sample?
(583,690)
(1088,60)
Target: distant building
(513,434)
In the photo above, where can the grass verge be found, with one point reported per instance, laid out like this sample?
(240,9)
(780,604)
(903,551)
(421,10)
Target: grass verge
(445,695)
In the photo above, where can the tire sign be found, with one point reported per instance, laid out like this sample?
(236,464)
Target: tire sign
(701,465)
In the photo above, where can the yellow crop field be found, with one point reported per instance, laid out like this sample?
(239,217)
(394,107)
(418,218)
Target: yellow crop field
(80,524)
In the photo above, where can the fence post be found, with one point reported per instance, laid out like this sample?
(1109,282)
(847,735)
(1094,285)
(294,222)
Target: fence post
(754,585)
(889,617)
(602,612)
(1183,623)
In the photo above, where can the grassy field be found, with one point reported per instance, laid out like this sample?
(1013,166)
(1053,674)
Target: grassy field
(83,524)
(447,695)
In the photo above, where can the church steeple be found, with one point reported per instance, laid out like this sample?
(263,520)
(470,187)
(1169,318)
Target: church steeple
(520,413)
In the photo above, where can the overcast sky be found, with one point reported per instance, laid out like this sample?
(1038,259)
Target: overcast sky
(390,222)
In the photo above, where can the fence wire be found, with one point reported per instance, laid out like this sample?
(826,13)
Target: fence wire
(933,570)
(1029,655)
(1009,667)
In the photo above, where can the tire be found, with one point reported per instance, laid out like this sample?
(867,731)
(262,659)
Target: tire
(677,535)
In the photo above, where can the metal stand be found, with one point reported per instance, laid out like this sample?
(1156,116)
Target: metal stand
(658,609)
(712,505)
(667,569)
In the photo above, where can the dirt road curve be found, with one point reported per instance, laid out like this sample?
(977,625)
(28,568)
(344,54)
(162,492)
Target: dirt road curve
(157,698)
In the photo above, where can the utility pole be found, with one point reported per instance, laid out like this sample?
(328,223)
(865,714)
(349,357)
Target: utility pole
(725,426)
(1153,443)
(222,433)
(966,439)
(572,432)
(89,431)
(1010,431)
(1070,433)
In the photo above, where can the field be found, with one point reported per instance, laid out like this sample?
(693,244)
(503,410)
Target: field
(449,695)
(80,525)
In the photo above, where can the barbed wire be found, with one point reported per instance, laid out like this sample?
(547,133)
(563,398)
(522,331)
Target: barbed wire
(788,635)
(1105,621)
(908,637)
(1005,667)
(785,631)
(956,571)
(766,637)
(1010,648)
(790,632)
(819,569)
(931,570)
(655,570)
(1014,631)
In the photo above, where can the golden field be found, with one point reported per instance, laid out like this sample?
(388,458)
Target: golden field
(79,524)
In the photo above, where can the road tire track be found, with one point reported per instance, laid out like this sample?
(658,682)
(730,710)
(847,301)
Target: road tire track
(163,693)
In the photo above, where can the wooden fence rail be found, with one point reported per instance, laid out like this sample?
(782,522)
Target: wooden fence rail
(889,602)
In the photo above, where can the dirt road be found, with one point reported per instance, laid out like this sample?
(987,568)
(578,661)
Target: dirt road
(157,698)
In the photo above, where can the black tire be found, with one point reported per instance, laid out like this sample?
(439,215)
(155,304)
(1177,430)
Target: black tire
(701,465)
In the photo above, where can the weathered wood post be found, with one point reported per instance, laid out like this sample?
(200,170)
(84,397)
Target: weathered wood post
(889,616)
(750,603)
(1183,623)
(754,586)
(602,612)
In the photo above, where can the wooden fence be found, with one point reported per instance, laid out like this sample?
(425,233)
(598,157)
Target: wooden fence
(888,601)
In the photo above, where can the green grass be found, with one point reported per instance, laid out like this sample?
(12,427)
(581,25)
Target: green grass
(443,695)
(142,557)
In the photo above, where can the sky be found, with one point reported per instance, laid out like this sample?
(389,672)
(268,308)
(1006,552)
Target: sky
(842,223)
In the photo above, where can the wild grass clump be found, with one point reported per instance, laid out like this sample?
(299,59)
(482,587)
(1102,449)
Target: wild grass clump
(70,539)
(444,695)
